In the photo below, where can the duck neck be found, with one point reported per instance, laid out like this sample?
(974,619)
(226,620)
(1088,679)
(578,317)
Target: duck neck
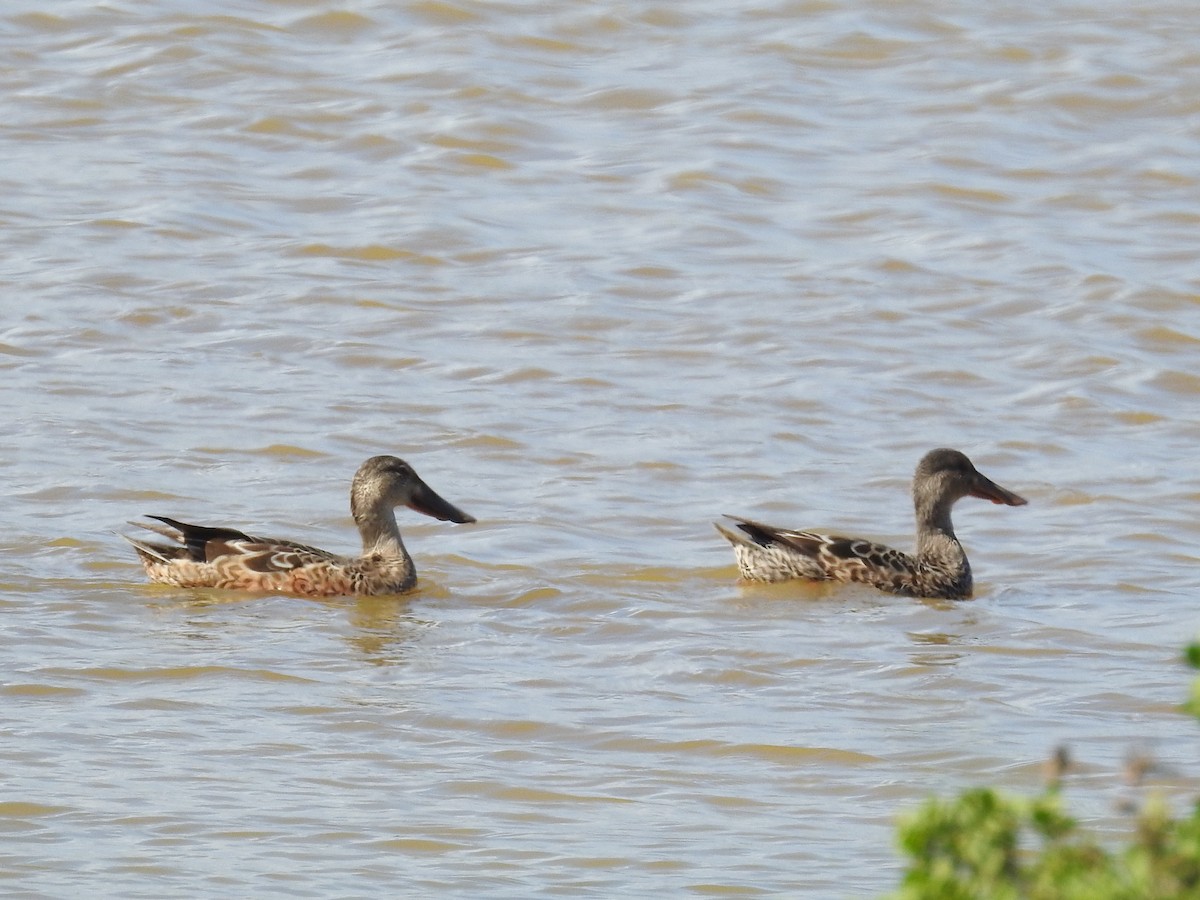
(935,533)
(380,535)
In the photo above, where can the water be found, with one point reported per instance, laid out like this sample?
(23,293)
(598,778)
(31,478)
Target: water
(601,273)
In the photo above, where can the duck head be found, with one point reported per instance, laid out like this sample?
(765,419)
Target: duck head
(386,481)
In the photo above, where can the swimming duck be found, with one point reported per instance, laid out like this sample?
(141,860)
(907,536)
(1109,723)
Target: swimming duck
(201,556)
(939,568)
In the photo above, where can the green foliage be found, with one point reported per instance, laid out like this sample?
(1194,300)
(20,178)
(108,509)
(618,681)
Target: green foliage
(1193,658)
(985,845)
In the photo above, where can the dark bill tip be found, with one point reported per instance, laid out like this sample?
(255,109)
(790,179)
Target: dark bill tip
(986,489)
(425,500)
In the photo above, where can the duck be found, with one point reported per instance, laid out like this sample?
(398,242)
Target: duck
(220,557)
(939,568)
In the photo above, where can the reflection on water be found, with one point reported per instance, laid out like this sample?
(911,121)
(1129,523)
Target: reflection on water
(385,630)
(937,657)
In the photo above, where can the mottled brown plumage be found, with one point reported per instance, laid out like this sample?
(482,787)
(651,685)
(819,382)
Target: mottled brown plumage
(200,556)
(938,569)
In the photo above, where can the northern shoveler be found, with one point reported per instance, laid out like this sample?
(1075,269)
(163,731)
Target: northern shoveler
(227,558)
(939,568)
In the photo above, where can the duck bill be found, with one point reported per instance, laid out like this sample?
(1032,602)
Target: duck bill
(426,500)
(986,489)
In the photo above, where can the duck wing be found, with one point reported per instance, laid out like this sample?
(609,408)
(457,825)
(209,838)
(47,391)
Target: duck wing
(768,552)
(207,544)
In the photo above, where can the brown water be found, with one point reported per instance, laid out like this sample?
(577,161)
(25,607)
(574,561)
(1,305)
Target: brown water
(601,272)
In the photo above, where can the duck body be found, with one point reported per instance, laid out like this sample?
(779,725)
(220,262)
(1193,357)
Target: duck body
(226,558)
(939,568)
(218,557)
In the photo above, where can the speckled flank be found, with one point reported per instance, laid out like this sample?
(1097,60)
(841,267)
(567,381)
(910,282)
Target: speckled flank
(939,568)
(202,556)
(324,578)
(772,561)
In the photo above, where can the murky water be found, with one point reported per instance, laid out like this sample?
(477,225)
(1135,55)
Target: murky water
(601,272)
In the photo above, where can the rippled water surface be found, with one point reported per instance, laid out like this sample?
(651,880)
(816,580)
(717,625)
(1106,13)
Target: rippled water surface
(601,272)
